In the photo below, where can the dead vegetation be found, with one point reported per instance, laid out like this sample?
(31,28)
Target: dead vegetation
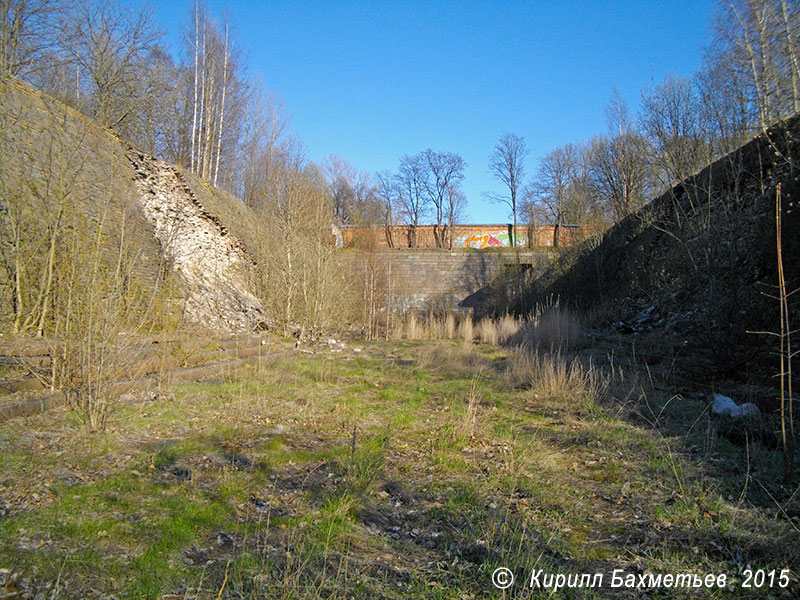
(405,470)
(547,326)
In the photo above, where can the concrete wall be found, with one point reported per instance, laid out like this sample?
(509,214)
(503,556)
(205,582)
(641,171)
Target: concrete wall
(434,279)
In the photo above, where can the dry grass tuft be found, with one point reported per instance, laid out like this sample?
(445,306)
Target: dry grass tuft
(498,331)
(459,358)
(450,327)
(552,376)
(550,328)
(487,332)
(507,327)
(554,329)
(466,330)
(470,421)
(414,331)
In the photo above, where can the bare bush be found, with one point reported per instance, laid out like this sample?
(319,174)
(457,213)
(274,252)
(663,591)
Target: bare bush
(108,306)
(300,278)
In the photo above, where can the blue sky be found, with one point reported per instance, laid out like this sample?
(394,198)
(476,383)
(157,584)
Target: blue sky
(371,81)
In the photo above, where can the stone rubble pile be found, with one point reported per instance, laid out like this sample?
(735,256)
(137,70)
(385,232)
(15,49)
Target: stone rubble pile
(211,263)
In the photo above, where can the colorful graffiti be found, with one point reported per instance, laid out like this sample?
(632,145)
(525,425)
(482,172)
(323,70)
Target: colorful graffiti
(498,240)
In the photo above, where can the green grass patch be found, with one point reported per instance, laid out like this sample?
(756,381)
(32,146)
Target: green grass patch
(452,472)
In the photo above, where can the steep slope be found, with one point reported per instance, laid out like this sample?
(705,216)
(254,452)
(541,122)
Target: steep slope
(211,262)
(51,154)
(697,264)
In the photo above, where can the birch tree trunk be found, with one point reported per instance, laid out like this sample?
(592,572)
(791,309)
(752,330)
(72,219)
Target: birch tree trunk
(208,145)
(196,65)
(222,106)
(793,62)
(201,109)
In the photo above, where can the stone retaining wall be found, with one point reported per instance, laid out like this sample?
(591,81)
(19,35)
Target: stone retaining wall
(434,279)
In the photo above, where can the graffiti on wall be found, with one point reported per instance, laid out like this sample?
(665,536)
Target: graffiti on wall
(489,240)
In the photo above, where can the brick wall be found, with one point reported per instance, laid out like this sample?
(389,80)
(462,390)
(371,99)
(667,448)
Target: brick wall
(464,236)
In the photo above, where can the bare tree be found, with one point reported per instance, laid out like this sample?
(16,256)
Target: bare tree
(411,193)
(617,165)
(387,196)
(617,115)
(556,185)
(219,97)
(340,177)
(670,117)
(225,60)
(265,138)
(38,198)
(507,164)
(618,172)
(725,118)
(72,253)
(299,280)
(368,204)
(756,44)
(196,82)
(455,203)
(445,172)
(26,34)
(158,126)
(109,43)
(353,193)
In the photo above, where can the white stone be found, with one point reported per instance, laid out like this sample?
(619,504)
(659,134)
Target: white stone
(748,409)
(724,406)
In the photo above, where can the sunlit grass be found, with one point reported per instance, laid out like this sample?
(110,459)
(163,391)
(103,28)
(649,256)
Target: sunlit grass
(317,477)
